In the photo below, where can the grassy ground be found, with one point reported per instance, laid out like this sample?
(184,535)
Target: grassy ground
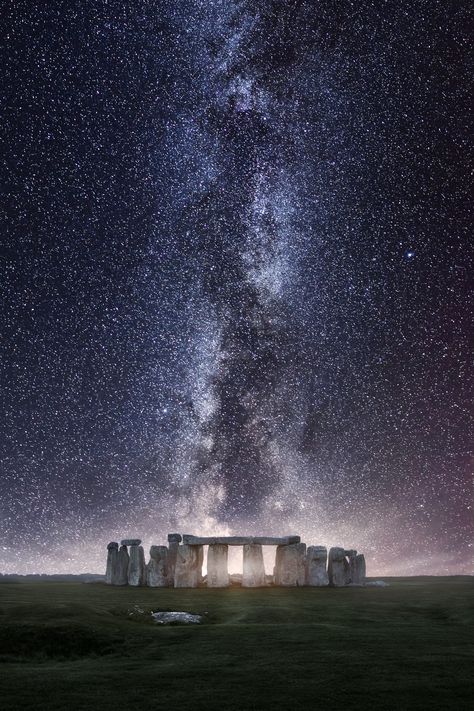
(76,646)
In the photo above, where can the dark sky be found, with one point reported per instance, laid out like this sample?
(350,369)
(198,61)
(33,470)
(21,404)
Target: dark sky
(235,274)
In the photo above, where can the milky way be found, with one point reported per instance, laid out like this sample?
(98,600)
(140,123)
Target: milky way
(235,278)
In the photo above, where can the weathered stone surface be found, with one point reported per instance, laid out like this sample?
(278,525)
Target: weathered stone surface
(131,542)
(174,538)
(238,540)
(217,572)
(112,563)
(253,569)
(316,573)
(122,568)
(188,567)
(359,571)
(290,565)
(337,567)
(157,568)
(271,541)
(172,555)
(350,565)
(136,566)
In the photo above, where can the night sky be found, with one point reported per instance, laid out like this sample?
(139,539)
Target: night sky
(235,277)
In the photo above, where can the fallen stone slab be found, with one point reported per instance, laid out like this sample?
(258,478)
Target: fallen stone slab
(131,542)
(377,584)
(169,618)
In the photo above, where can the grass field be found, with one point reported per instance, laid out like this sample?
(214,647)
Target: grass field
(76,646)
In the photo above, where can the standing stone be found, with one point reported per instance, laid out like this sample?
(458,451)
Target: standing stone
(350,566)
(336,567)
(188,567)
(217,573)
(359,570)
(112,563)
(157,568)
(316,573)
(290,565)
(174,539)
(122,568)
(136,566)
(254,570)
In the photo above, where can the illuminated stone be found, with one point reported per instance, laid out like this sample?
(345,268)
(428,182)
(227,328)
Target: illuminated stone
(253,570)
(217,573)
(188,566)
(316,573)
(157,569)
(290,565)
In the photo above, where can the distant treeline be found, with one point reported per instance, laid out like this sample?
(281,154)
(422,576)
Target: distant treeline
(57,578)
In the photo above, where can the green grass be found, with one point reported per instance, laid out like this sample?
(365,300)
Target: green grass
(75,646)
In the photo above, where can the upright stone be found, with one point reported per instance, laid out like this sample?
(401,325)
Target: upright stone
(217,573)
(253,569)
(157,568)
(122,568)
(290,565)
(188,567)
(174,539)
(350,566)
(136,566)
(359,569)
(336,567)
(112,563)
(316,573)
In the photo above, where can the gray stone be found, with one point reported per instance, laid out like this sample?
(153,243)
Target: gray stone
(112,563)
(350,566)
(290,565)
(168,618)
(359,572)
(269,541)
(238,540)
(157,568)
(253,568)
(188,567)
(337,567)
(217,573)
(174,538)
(316,573)
(131,542)
(136,566)
(172,555)
(377,584)
(122,568)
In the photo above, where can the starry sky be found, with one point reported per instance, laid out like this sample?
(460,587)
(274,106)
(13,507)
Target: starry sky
(235,262)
